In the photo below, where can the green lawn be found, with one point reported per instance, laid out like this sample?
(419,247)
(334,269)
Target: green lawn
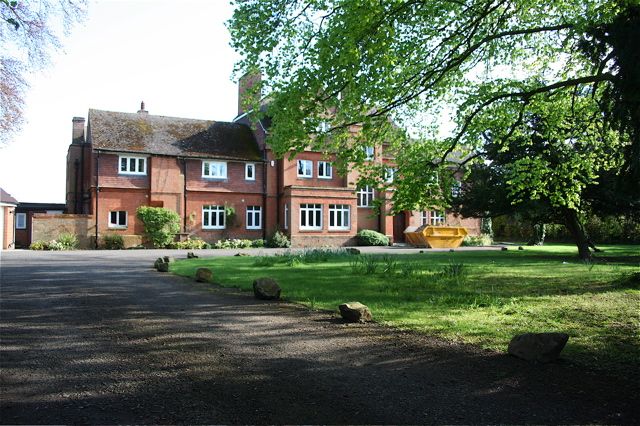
(491,297)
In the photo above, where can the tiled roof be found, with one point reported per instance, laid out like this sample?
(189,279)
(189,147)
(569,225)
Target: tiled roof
(6,198)
(184,137)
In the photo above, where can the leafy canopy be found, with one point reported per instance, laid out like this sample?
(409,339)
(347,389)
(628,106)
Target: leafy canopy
(430,78)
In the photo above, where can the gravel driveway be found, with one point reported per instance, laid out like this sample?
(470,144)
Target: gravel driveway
(99,337)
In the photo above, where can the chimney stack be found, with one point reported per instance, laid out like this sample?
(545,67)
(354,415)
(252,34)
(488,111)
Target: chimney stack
(247,95)
(142,110)
(77,135)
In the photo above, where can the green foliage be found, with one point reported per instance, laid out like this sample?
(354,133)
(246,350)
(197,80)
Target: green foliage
(490,67)
(481,240)
(113,242)
(368,237)
(68,241)
(190,244)
(602,230)
(300,257)
(39,245)
(278,240)
(65,241)
(233,243)
(160,224)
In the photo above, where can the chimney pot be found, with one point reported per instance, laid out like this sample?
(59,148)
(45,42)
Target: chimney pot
(142,110)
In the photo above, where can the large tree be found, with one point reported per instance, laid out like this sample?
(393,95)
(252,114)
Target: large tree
(28,30)
(476,65)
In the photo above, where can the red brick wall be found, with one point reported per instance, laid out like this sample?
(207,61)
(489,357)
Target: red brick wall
(167,183)
(121,199)
(305,238)
(195,201)
(235,181)
(290,172)
(110,178)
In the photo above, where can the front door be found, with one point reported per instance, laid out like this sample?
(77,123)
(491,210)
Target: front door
(399,225)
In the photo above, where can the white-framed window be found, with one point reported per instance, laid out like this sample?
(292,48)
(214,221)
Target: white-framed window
(21,221)
(305,168)
(213,217)
(254,217)
(456,189)
(323,127)
(389,174)
(250,171)
(118,219)
(325,170)
(311,216)
(424,217)
(369,152)
(339,216)
(132,165)
(437,217)
(214,169)
(286,216)
(365,196)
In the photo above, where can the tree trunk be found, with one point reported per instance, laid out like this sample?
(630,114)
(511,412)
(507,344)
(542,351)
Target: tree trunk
(572,221)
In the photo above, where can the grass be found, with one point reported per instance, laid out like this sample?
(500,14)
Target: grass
(479,297)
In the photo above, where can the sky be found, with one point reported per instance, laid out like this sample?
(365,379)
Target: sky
(173,55)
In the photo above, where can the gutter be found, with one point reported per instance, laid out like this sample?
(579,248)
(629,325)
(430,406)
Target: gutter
(97,195)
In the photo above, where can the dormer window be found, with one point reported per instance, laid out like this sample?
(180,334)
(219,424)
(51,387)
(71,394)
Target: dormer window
(305,168)
(132,165)
(214,169)
(325,171)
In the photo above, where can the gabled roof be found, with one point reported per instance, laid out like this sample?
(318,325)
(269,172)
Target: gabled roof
(6,198)
(181,137)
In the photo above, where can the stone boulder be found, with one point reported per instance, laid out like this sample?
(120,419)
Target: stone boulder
(241,254)
(266,289)
(158,262)
(352,250)
(191,255)
(355,312)
(538,347)
(204,275)
(163,267)
(168,259)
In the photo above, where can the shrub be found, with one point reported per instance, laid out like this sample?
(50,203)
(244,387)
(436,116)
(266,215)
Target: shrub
(190,244)
(278,240)
(68,241)
(234,243)
(257,243)
(160,224)
(113,242)
(39,245)
(55,245)
(477,240)
(368,237)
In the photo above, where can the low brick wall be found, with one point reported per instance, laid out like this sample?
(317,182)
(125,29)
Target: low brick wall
(301,241)
(46,227)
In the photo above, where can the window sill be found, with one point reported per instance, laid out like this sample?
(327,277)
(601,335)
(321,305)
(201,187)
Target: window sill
(130,174)
(116,227)
(209,228)
(305,177)
(214,178)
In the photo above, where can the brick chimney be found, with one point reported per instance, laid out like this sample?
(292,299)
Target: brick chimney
(246,97)
(142,111)
(77,135)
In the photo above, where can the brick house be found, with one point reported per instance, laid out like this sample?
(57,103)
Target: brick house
(7,220)
(203,169)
